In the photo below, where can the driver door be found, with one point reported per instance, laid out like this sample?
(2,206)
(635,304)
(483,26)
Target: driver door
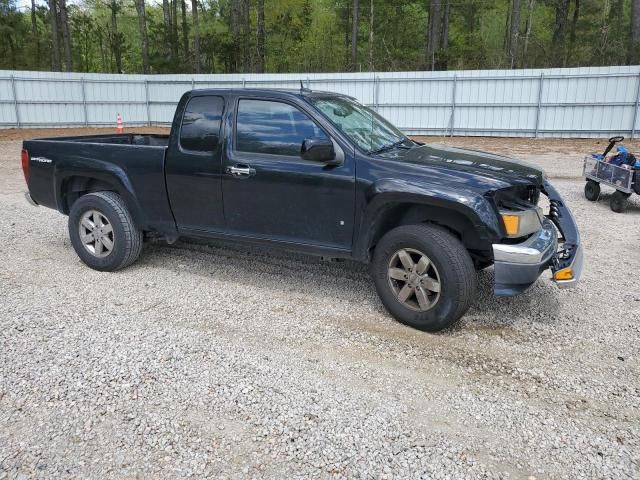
(270,192)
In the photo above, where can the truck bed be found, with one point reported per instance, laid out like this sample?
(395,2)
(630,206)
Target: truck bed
(130,164)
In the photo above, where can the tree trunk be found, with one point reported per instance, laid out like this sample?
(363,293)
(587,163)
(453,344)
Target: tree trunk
(166,16)
(102,43)
(196,36)
(572,33)
(66,38)
(444,42)
(185,32)
(347,35)
(115,37)
(235,34)
(12,50)
(634,49)
(433,35)
(55,40)
(174,34)
(260,37)
(604,31)
(144,39)
(354,34)
(558,41)
(514,31)
(34,32)
(246,52)
(371,67)
(527,35)
(166,23)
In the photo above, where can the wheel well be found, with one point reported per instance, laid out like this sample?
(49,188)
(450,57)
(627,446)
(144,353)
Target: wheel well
(399,214)
(75,187)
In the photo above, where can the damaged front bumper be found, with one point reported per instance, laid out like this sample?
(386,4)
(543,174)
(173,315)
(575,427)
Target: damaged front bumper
(518,266)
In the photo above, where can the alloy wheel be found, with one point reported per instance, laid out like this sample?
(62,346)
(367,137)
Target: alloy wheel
(96,233)
(414,279)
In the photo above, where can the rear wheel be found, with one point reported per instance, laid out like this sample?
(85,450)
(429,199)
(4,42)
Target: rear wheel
(424,276)
(102,232)
(592,190)
(618,201)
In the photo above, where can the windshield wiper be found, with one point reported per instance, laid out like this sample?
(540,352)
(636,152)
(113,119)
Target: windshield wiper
(389,147)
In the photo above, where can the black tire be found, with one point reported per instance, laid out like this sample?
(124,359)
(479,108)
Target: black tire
(126,237)
(453,266)
(592,190)
(618,201)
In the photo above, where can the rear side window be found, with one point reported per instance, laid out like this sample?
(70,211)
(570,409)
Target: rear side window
(200,130)
(276,128)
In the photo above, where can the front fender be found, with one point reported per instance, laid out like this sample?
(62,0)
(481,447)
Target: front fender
(473,207)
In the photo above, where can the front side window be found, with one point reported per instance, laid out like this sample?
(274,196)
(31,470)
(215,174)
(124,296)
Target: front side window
(362,125)
(275,128)
(201,124)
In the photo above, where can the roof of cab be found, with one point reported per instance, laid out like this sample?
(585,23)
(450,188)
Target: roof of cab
(266,92)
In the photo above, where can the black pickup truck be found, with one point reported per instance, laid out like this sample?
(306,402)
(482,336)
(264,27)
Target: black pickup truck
(319,173)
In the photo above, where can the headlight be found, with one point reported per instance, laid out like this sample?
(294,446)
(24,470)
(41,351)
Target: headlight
(521,223)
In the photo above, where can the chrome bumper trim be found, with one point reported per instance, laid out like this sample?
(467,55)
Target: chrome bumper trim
(535,250)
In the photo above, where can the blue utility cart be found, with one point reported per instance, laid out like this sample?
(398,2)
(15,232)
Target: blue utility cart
(597,171)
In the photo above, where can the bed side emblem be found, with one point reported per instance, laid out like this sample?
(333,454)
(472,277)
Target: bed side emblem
(42,159)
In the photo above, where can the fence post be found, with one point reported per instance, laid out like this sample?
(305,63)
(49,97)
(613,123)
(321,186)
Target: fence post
(635,110)
(193,83)
(308,83)
(244,83)
(15,100)
(539,104)
(453,104)
(146,93)
(84,103)
(376,92)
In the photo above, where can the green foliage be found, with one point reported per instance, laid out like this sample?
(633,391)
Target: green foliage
(315,35)
(12,29)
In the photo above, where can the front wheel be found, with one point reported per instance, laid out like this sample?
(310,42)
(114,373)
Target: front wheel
(103,233)
(592,190)
(424,276)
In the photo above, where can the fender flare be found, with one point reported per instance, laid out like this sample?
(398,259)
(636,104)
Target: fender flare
(102,171)
(473,207)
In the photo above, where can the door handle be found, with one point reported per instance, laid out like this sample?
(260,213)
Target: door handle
(241,171)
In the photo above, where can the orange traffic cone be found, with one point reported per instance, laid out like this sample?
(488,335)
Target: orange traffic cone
(119,127)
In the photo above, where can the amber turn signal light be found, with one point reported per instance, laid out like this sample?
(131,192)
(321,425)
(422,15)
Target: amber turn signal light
(511,224)
(563,274)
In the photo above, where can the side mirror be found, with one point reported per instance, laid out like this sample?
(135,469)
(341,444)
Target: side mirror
(319,150)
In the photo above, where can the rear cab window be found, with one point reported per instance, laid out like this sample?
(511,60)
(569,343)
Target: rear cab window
(200,129)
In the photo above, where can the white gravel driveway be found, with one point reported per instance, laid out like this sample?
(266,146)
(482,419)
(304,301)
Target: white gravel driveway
(221,362)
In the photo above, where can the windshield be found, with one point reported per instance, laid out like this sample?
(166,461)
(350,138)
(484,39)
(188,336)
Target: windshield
(366,128)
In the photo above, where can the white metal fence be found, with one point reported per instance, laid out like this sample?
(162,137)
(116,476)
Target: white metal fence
(577,102)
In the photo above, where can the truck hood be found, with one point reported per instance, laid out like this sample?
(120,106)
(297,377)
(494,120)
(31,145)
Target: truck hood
(480,168)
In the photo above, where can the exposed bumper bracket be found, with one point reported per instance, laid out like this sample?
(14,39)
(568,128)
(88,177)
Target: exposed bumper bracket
(518,266)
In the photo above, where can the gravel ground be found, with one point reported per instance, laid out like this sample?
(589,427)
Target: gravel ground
(228,363)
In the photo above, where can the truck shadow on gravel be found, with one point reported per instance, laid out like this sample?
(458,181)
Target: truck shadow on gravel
(345,281)
(540,304)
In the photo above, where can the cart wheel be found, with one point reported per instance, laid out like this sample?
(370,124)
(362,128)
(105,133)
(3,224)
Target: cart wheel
(618,201)
(592,190)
